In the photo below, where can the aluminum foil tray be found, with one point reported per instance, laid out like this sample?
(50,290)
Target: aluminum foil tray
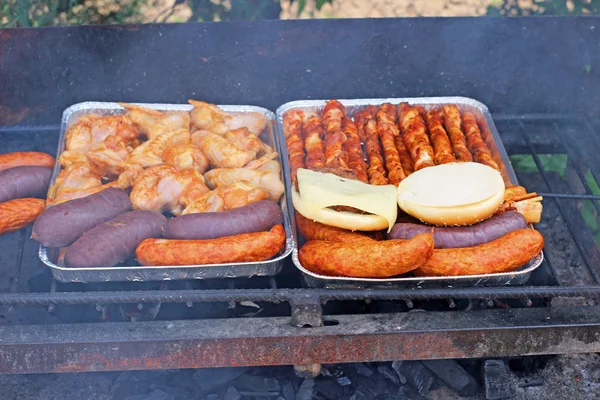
(130,270)
(491,137)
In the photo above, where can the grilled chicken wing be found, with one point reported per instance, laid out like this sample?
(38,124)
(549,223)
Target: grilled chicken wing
(415,136)
(93,128)
(292,130)
(266,163)
(209,117)
(376,170)
(335,155)
(441,144)
(186,156)
(313,142)
(221,152)
(481,152)
(266,180)
(151,152)
(154,123)
(356,160)
(226,197)
(164,188)
(387,130)
(452,123)
(245,140)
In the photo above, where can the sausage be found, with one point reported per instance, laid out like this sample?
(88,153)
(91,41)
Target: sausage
(468,236)
(23,158)
(61,225)
(312,230)
(505,254)
(19,213)
(255,217)
(24,181)
(366,260)
(247,247)
(108,244)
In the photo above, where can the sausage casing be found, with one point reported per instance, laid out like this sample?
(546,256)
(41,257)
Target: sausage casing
(505,254)
(379,259)
(312,230)
(18,213)
(246,247)
(22,158)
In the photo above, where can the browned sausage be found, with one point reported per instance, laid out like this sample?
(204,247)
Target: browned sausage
(18,213)
(505,254)
(311,230)
(246,247)
(366,260)
(22,158)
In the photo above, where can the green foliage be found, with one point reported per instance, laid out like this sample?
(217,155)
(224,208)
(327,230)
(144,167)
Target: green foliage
(544,7)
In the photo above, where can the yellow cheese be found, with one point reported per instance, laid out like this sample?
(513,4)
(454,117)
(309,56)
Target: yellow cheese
(321,190)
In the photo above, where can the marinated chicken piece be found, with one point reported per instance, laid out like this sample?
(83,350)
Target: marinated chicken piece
(481,152)
(93,128)
(82,179)
(266,180)
(313,142)
(154,123)
(164,188)
(186,156)
(209,117)
(414,132)
(292,130)
(387,130)
(452,123)
(109,156)
(227,197)
(356,160)
(245,140)
(220,152)
(376,170)
(150,152)
(335,155)
(441,144)
(266,163)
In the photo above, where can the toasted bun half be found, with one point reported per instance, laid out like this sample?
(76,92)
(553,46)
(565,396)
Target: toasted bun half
(341,219)
(455,194)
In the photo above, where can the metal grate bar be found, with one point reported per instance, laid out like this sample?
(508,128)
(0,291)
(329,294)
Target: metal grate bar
(569,196)
(559,204)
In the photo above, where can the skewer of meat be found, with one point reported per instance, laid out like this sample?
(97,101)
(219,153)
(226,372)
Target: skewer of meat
(415,136)
(292,131)
(361,118)
(335,155)
(387,130)
(313,142)
(452,124)
(441,144)
(352,146)
(481,152)
(405,159)
(376,169)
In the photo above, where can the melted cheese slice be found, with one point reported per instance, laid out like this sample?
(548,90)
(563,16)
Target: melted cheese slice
(321,190)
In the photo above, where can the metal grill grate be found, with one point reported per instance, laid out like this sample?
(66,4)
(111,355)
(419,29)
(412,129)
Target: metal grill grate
(554,155)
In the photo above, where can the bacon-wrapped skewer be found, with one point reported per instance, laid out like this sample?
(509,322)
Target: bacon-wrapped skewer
(335,155)
(292,131)
(452,124)
(313,142)
(415,136)
(439,139)
(387,130)
(356,160)
(481,152)
(405,159)
(376,169)
(361,118)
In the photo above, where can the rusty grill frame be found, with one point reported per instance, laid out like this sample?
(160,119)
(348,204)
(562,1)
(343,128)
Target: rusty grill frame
(308,335)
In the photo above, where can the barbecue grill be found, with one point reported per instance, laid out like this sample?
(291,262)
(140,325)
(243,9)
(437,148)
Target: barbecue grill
(546,113)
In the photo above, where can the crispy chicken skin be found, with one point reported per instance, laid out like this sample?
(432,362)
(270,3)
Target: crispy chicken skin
(205,116)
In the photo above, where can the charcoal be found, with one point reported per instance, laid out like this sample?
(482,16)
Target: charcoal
(362,393)
(417,376)
(288,392)
(453,375)
(389,374)
(306,390)
(397,366)
(232,394)
(497,380)
(212,378)
(344,381)
(533,383)
(254,383)
(329,389)
(362,369)
(128,388)
(374,386)
(398,396)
